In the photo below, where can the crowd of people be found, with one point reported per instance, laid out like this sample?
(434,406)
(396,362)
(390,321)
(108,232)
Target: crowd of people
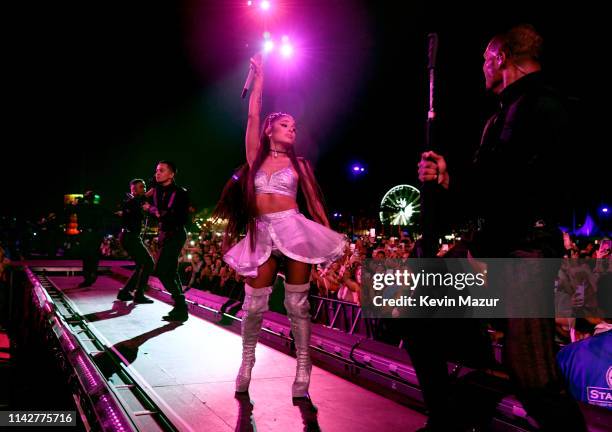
(201,265)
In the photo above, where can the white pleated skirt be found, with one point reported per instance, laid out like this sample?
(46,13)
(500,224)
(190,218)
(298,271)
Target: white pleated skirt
(290,233)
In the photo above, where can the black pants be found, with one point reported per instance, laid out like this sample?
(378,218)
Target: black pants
(431,343)
(166,268)
(133,245)
(529,346)
(90,254)
(528,356)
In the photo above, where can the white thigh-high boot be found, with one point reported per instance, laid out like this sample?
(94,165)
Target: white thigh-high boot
(254,305)
(298,312)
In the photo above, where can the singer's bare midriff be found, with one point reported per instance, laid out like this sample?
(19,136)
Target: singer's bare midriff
(272,203)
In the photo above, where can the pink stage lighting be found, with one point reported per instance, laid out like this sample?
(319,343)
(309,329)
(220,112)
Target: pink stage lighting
(249,3)
(268,46)
(286,50)
(265,5)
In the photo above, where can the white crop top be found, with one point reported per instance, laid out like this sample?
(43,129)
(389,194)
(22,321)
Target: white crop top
(282,182)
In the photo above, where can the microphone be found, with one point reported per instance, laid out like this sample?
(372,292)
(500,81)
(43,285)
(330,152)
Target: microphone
(432,51)
(247,83)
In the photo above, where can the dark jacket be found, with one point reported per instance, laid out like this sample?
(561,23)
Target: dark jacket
(132,214)
(517,179)
(172,202)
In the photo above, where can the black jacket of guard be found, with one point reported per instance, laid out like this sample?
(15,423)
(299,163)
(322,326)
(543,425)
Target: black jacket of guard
(516,190)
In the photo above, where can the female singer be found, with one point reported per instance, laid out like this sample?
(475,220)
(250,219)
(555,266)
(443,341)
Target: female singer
(262,196)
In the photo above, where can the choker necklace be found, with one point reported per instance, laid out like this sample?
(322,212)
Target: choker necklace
(276,152)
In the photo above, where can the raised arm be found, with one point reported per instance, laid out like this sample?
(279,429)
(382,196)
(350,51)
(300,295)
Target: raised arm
(252,130)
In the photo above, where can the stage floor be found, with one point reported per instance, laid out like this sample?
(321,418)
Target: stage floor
(190,368)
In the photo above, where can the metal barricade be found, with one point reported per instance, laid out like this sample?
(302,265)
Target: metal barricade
(339,314)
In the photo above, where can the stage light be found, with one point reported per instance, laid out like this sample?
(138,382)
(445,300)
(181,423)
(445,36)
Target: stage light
(89,377)
(286,50)
(604,209)
(249,3)
(265,5)
(112,419)
(357,169)
(268,46)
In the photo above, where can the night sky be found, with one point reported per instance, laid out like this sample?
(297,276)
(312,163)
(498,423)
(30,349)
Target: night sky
(105,89)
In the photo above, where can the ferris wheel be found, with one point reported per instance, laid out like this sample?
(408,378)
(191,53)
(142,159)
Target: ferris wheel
(400,205)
